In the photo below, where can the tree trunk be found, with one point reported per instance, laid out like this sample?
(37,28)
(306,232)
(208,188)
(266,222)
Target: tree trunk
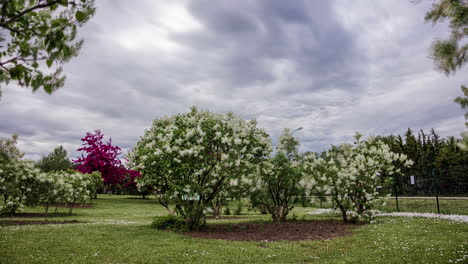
(46,208)
(217,209)
(343,214)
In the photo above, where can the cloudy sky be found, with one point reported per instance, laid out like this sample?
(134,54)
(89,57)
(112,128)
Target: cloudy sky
(331,67)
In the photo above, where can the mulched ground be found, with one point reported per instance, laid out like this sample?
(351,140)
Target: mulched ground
(270,231)
(225,218)
(33,222)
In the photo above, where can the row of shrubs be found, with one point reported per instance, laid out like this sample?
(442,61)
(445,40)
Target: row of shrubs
(21,184)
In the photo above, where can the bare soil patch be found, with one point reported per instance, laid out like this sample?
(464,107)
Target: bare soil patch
(272,231)
(34,222)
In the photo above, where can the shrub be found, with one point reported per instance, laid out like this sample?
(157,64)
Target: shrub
(169,222)
(188,158)
(278,178)
(22,184)
(354,175)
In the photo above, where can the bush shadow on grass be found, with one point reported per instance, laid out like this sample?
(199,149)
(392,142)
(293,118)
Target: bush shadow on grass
(33,215)
(37,222)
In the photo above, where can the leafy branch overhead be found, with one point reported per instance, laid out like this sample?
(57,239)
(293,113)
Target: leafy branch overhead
(37,37)
(450,54)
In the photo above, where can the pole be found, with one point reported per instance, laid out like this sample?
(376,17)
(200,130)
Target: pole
(396,192)
(436,189)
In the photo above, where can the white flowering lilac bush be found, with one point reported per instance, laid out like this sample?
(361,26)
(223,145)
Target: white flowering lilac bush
(277,178)
(353,175)
(17,183)
(26,185)
(15,176)
(189,158)
(235,189)
(74,188)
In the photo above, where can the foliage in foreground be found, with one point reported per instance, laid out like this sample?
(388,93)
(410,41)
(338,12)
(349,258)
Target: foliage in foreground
(40,33)
(451,54)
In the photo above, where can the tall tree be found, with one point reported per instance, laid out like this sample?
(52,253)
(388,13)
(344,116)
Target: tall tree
(57,160)
(36,34)
(430,151)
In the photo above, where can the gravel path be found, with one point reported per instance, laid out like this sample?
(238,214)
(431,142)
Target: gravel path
(457,218)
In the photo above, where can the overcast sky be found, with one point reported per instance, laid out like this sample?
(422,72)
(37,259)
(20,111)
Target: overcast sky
(331,67)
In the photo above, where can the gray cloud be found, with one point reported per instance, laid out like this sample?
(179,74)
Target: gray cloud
(332,67)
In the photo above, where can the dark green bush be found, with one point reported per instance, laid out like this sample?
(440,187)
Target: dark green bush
(169,222)
(227,211)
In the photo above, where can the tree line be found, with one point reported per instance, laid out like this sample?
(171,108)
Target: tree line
(437,161)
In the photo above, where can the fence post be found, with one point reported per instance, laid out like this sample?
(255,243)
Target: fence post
(395,191)
(436,189)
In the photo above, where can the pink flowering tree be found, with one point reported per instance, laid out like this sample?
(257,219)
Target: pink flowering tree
(97,155)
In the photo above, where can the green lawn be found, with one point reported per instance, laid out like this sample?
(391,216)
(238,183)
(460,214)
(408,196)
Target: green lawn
(116,231)
(427,206)
(417,205)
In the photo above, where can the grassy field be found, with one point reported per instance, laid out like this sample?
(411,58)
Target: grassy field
(417,205)
(427,206)
(116,230)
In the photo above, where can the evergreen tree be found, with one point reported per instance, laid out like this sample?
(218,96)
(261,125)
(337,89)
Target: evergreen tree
(57,160)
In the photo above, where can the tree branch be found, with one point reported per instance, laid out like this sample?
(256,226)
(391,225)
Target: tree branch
(29,10)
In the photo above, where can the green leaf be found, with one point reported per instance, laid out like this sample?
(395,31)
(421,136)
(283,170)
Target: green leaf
(36,82)
(66,51)
(48,88)
(80,16)
(49,62)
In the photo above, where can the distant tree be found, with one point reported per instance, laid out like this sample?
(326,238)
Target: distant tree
(97,155)
(39,33)
(8,148)
(57,160)
(430,151)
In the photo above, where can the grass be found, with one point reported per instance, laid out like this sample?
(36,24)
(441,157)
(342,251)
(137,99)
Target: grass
(117,231)
(416,205)
(427,206)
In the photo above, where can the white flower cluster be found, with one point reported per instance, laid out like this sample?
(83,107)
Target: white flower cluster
(352,174)
(199,149)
